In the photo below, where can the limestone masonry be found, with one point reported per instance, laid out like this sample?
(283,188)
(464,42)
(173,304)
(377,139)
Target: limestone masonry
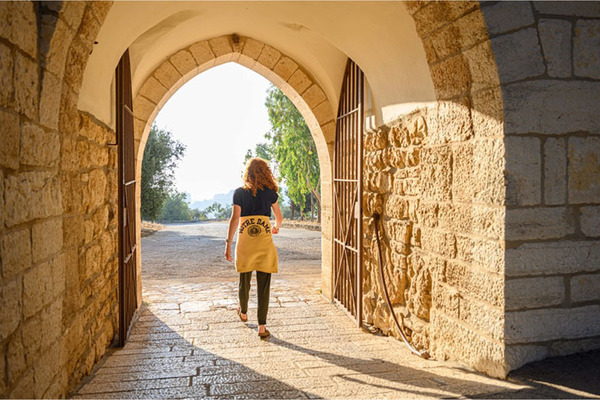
(481,154)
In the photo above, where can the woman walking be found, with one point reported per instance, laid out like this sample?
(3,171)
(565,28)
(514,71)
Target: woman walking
(255,250)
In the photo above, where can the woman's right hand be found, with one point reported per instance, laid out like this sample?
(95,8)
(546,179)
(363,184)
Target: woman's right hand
(228,251)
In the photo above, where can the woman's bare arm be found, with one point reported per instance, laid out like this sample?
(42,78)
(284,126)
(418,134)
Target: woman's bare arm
(278,218)
(236,211)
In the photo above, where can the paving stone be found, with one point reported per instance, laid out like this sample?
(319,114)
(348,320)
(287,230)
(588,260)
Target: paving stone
(200,349)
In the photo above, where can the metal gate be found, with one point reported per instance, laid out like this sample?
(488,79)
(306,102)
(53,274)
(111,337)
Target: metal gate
(347,193)
(127,239)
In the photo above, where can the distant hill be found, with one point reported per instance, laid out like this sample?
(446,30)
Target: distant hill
(226,199)
(223,198)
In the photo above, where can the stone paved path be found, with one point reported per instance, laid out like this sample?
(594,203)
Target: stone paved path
(189,343)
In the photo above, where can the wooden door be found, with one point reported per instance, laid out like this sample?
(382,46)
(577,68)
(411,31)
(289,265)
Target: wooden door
(126,179)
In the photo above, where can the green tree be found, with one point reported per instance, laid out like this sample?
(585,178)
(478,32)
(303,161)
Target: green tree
(176,209)
(160,159)
(218,211)
(293,148)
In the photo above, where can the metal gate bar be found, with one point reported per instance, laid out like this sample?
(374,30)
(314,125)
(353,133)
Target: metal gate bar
(126,182)
(347,191)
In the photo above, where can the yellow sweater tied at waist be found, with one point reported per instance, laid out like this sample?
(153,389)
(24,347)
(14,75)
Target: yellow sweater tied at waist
(255,250)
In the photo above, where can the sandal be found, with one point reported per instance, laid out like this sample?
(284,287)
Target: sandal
(242,317)
(264,334)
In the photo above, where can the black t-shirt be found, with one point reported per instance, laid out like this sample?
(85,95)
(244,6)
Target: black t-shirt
(259,205)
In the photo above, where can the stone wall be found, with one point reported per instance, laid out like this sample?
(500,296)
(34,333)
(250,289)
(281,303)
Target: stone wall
(58,280)
(439,189)
(490,199)
(548,56)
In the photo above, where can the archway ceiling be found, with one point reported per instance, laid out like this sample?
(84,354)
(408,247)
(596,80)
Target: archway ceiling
(379,36)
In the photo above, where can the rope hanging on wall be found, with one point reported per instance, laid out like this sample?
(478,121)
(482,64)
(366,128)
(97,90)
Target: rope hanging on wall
(424,353)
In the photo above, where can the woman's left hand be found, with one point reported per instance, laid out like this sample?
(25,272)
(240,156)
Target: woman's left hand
(275,230)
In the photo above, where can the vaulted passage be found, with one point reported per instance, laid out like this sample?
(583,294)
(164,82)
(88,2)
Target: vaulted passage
(479,152)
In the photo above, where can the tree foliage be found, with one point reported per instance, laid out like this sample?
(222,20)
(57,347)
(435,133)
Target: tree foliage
(175,208)
(218,211)
(293,149)
(158,166)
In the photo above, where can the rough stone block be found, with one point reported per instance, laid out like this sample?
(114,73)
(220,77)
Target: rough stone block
(37,288)
(6,76)
(153,90)
(143,108)
(31,195)
(555,171)
(202,52)
(38,147)
(183,61)
(268,57)
(586,46)
(46,239)
(482,318)
(574,8)
(299,81)
(443,43)
(487,113)
(15,357)
(314,96)
(58,47)
(15,250)
(478,172)
(552,258)
(537,292)
(484,74)
(50,101)
(451,122)
(442,243)
(11,140)
(252,48)
(479,351)
(518,55)
(26,86)
(221,46)
(539,223)
(471,27)
(10,307)
(482,285)
(590,221)
(555,35)
(551,107)
(77,57)
(504,17)
(552,324)
(523,171)
(167,75)
(487,254)
(285,67)
(323,113)
(431,17)
(584,170)
(72,12)
(19,25)
(451,77)
(585,288)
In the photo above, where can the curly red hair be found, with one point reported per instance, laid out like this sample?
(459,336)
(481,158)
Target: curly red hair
(258,176)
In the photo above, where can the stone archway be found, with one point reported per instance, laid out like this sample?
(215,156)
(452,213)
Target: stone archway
(483,113)
(284,72)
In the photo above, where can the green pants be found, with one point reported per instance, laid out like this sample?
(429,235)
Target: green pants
(263,280)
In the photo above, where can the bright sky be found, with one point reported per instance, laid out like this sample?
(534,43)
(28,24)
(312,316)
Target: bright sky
(218,115)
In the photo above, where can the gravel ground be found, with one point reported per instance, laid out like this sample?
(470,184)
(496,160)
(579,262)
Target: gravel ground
(194,253)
